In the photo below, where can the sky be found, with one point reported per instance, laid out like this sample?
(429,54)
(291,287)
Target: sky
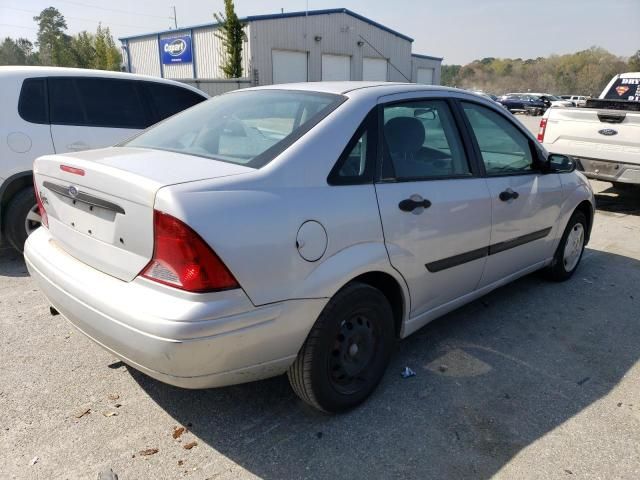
(458,30)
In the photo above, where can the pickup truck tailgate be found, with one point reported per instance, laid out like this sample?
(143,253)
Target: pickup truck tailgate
(610,135)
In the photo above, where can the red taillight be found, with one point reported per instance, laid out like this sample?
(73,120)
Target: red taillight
(543,127)
(182,259)
(74,170)
(43,213)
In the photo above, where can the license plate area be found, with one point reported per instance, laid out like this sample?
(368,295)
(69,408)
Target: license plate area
(91,220)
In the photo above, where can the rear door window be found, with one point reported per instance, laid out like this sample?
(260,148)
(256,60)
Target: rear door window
(32,105)
(64,103)
(167,100)
(112,103)
(421,142)
(97,102)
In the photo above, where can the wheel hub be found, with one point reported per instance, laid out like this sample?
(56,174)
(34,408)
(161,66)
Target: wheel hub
(353,350)
(573,247)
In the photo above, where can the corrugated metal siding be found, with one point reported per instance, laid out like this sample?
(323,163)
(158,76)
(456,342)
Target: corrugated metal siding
(340,35)
(208,53)
(145,56)
(217,87)
(178,70)
(418,62)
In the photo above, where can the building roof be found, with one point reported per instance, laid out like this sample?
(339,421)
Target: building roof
(427,57)
(275,16)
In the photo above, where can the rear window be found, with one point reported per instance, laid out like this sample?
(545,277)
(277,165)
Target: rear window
(32,105)
(624,89)
(97,102)
(246,128)
(167,100)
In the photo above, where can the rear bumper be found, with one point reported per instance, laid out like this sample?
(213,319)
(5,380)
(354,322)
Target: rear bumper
(608,170)
(187,340)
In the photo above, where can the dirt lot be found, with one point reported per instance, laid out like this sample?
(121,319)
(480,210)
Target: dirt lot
(536,380)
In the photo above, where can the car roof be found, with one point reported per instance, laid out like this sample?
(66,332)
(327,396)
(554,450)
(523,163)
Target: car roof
(28,71)
(344,88)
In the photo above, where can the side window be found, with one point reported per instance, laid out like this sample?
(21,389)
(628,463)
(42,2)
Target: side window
(112,103)
(32,105)
(64,104)
(356,164)
(421,142)
(168,100)
(505,150)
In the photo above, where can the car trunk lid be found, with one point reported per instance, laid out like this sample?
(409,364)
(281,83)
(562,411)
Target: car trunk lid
(100,202)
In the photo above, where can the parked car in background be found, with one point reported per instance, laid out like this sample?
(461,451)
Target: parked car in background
(578,100)
(604,136)
(523,103)
(566,97)
(257,233)
(57,110)
(552,100)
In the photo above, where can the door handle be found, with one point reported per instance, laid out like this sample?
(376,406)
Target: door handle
(413,203)
(508,194)
(77,146)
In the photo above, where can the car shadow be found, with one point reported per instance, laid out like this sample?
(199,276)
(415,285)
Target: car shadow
(12,263)
(625,200)
(492,378)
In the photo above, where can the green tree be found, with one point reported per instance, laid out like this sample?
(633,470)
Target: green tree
(113,55)
(53,43)
(83,49)
(17,52)
(232,35)
(100,45)
(634,62)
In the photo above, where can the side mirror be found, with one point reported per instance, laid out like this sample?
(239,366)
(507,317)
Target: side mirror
(560,163)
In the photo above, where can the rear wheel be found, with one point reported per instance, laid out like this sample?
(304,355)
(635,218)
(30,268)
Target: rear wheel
(570,249)
(22,218)
(347,350)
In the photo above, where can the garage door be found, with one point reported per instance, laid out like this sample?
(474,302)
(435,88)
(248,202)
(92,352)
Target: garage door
(336,67)
(425,76)
(289,66)
(374,69)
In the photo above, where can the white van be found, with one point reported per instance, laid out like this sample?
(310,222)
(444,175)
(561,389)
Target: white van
(49,110)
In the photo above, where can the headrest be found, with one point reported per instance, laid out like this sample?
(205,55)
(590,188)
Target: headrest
(404,134)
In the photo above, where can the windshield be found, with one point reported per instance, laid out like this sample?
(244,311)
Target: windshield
(247,128)
(624,89)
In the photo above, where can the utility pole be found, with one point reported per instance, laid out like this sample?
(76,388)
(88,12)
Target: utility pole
(175,18)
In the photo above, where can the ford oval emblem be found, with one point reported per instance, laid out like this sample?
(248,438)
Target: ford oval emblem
(73,191)
(608,132)
(176,48)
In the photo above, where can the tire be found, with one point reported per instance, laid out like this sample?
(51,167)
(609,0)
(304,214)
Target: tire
(347,351)
(15,221)
(570,250)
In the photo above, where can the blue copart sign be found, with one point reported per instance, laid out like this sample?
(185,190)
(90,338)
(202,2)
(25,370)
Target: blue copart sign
(176,50)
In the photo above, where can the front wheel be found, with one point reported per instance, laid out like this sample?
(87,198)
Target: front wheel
(347,350)
(569,252)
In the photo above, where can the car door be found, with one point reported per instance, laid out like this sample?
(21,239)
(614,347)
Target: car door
(525,201)
(435,209)
(94,112)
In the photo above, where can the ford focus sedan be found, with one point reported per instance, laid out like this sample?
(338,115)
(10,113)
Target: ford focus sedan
(300,229)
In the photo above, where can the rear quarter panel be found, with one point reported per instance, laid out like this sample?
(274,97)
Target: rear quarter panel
(252,220)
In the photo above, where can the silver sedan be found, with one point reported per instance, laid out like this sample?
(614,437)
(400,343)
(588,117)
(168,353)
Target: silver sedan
(300,229)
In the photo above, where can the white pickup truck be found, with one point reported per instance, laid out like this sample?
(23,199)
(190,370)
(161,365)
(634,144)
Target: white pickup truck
(603,137)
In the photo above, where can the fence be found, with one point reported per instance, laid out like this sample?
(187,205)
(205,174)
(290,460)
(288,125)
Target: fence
(215,87)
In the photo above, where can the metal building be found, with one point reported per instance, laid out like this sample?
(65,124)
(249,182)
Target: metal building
(333,44)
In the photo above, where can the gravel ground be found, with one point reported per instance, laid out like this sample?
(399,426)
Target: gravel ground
(535,380)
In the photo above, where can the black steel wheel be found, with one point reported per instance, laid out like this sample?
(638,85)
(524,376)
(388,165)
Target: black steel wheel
(347,350)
